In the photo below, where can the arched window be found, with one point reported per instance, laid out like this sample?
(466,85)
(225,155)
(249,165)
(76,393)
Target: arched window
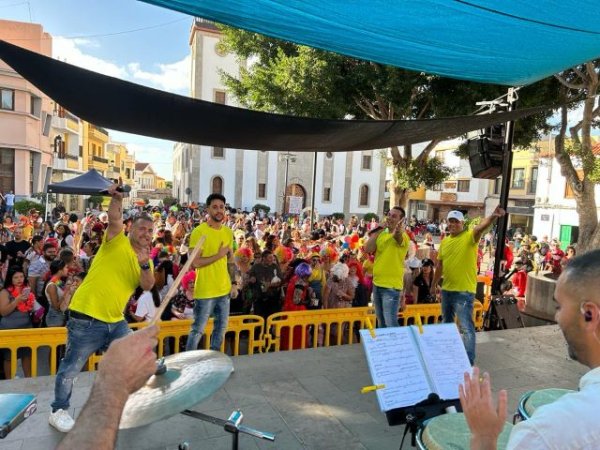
(217,185)
(363,195)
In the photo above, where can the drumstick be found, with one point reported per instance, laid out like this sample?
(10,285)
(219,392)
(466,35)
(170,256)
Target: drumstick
(173,289)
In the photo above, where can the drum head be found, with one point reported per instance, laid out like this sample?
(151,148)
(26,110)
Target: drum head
(450,431)
(541,398)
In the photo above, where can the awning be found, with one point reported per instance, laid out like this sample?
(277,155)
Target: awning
(90,183)
(510,42)
(125,106)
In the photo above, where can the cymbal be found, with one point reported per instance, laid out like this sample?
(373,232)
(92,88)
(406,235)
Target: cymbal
(191,377)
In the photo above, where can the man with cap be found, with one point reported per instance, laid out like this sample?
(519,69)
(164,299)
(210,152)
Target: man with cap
(457,265)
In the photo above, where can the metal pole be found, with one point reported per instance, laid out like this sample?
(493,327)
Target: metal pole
(285,183)
(504,193)
(46,209)
(314,186)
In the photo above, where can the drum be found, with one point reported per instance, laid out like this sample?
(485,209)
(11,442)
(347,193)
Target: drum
(450,431)
(532,400)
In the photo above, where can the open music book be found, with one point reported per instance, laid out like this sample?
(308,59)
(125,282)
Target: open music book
(413,365)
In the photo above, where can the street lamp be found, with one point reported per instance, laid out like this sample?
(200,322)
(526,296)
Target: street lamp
(287,157)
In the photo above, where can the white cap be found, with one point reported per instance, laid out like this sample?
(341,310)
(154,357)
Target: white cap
(414,262)
(456,215)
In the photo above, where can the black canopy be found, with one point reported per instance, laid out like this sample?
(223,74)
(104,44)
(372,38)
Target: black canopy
(90,183)
(124,106)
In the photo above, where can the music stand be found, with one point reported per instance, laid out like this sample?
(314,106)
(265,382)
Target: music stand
(414,416)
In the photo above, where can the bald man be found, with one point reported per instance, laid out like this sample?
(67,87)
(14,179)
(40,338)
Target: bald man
(572,422)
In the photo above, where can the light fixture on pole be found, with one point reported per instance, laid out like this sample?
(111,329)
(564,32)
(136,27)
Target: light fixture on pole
(287,157)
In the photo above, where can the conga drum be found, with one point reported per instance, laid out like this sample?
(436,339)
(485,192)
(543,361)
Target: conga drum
(532,400)
(450,431)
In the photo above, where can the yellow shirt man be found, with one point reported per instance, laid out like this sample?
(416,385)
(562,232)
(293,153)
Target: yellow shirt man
(459,257)
(213,280)
(111,281)
(388,269)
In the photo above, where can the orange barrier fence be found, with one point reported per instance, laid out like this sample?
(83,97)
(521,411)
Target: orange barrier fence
(245,334)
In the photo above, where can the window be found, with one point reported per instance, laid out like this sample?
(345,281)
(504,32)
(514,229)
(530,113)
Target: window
(7,99)
(217,185)
(532,180)
(7,169)
(262,190)
(463,186)
(518,179)
(35,106)
(218,152)
(327,194)
(497,185)
(363,195)
(220,97)
(366,162)
(386,189)
(437,187)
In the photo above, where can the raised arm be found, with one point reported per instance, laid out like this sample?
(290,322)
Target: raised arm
(115,213)
(486,222)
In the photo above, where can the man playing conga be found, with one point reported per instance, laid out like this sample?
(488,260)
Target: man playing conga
(572,421)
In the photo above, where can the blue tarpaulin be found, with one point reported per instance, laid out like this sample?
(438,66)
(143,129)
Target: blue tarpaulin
(509,42)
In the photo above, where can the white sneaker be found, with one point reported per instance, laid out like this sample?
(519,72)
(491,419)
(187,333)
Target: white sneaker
(61,420)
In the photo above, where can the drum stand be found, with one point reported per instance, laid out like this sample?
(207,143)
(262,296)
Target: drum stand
(231,425)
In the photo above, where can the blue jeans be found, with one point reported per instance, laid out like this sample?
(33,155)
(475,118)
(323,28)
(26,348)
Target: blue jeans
(387,302)
(84,337)
(460,304)
(203,309)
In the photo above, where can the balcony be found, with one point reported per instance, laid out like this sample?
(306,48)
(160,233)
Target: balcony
(99,159)
(531,187)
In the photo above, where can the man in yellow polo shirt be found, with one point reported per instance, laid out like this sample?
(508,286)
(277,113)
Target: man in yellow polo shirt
(214,274)
(457,264)
(96,310)
(390,247)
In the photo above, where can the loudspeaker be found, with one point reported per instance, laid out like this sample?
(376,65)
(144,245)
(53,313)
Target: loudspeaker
(503,314)
(485,157)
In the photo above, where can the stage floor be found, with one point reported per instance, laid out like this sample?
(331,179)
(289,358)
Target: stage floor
(309,398)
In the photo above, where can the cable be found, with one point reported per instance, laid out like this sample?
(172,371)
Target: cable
(83,36)
(525,19)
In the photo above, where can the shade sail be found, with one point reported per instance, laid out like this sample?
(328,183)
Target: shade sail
(510,42)
(125,106)
(90,183)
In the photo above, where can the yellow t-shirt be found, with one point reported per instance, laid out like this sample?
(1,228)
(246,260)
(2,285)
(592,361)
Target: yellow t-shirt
(459,262)
(388,269)
(27,232)
(212,280)
(112,279)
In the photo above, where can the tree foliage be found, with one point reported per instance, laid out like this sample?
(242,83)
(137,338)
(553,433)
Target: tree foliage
(279,76)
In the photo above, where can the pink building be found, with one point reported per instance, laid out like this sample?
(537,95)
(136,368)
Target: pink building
(25,117)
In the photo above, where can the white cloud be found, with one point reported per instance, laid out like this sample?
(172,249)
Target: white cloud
(70,51)
(171,77)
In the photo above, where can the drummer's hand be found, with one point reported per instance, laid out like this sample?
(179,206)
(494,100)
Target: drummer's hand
(130,361)
(485,421)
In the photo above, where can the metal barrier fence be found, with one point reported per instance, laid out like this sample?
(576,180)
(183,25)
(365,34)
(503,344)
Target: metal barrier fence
(245,334)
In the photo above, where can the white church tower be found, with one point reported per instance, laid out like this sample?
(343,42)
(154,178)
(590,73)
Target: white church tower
(348,182)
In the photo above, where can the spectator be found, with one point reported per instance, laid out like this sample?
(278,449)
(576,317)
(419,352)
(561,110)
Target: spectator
(59,293)
(423,288)
(16,306)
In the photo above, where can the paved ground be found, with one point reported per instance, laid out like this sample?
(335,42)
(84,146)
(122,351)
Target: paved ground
(310,398)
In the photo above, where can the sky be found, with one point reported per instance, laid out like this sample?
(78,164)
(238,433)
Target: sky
(126,39)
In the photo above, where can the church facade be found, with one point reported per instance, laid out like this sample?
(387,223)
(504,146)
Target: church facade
(347,182)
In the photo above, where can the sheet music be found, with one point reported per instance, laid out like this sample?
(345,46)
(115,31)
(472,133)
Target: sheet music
(445,356)
(394,360)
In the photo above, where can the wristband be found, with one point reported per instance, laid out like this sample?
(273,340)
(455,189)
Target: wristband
(145,266)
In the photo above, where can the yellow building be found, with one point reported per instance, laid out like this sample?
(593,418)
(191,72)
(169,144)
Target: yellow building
(95,140)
